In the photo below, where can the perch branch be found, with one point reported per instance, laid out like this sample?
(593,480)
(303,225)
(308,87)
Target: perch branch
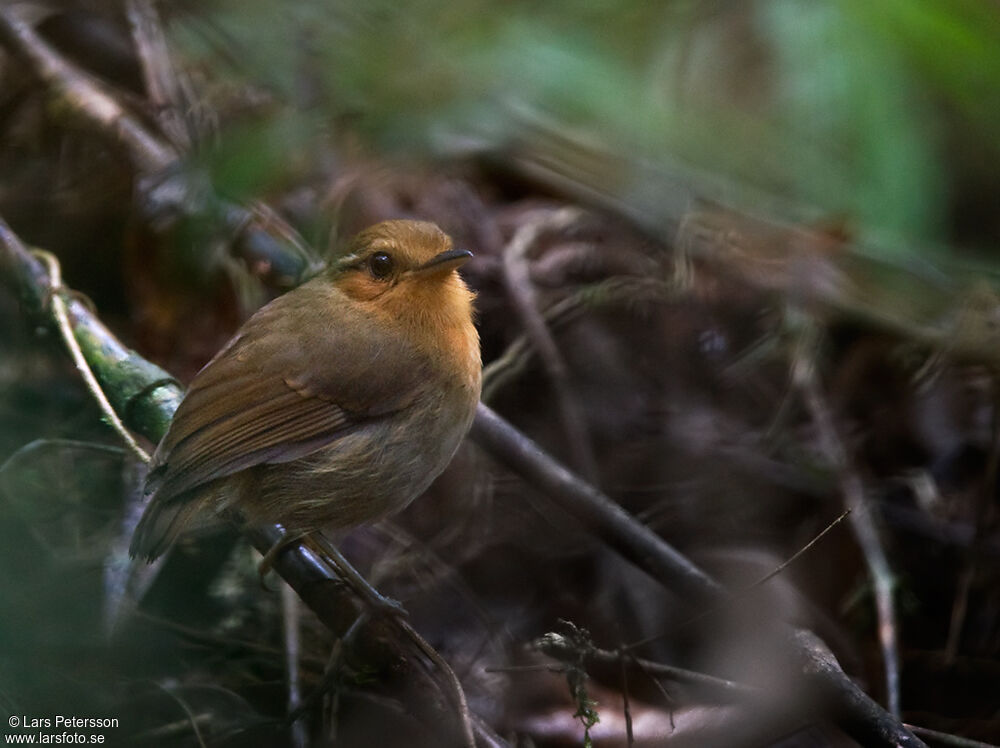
(148,410)
(148,398)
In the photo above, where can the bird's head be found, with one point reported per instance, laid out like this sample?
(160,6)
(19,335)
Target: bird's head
(398,259)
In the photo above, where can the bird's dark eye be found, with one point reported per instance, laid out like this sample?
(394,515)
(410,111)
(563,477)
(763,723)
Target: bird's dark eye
(380,265)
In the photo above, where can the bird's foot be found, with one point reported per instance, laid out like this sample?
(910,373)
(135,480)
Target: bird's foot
(267,561)
(377,603)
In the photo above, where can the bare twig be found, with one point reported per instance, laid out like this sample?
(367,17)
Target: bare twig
(852,489)
(56,291)
(147,399)
(330,684)
(980,527)
(630,737)
(736,596)
(614,291)
(83,94)
(164,87)
(165,188)
(558,647)
(791,559)
(149,405)
(191,719)
(460,704)
(602,516)
(290,622)
(859,715)
(522,292)
(486,737)
(668,699)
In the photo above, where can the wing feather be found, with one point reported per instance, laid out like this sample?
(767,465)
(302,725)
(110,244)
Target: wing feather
(281,390)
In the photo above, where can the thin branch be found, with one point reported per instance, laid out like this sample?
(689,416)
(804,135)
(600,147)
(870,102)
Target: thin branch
(855,711)
(147,398)
(149,401)
(602,516)
(738,595)
(668,699)
(525,302)
(560,648)
(56,291)
(626,708)
(191,719)
(330,684)
(164,87)
(83,94)
(166,189)
(290,620)
(794,557)
(852,489)
(486,736)
(980,529)
(460,704)
(619,290)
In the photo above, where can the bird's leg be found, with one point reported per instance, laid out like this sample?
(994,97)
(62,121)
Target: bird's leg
(377,603)
(374,599)
(324,549)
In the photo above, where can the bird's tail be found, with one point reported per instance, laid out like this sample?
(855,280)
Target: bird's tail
(162,522)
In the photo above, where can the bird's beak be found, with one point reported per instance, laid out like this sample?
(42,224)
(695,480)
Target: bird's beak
(444,262)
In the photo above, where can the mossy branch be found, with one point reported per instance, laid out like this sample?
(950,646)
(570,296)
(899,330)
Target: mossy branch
(146,397)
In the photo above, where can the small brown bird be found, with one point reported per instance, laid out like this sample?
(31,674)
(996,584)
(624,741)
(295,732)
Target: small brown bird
(336,404)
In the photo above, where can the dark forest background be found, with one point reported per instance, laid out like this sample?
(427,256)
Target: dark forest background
(736,267)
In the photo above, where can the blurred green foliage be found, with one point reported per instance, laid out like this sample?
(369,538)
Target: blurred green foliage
(820,108)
